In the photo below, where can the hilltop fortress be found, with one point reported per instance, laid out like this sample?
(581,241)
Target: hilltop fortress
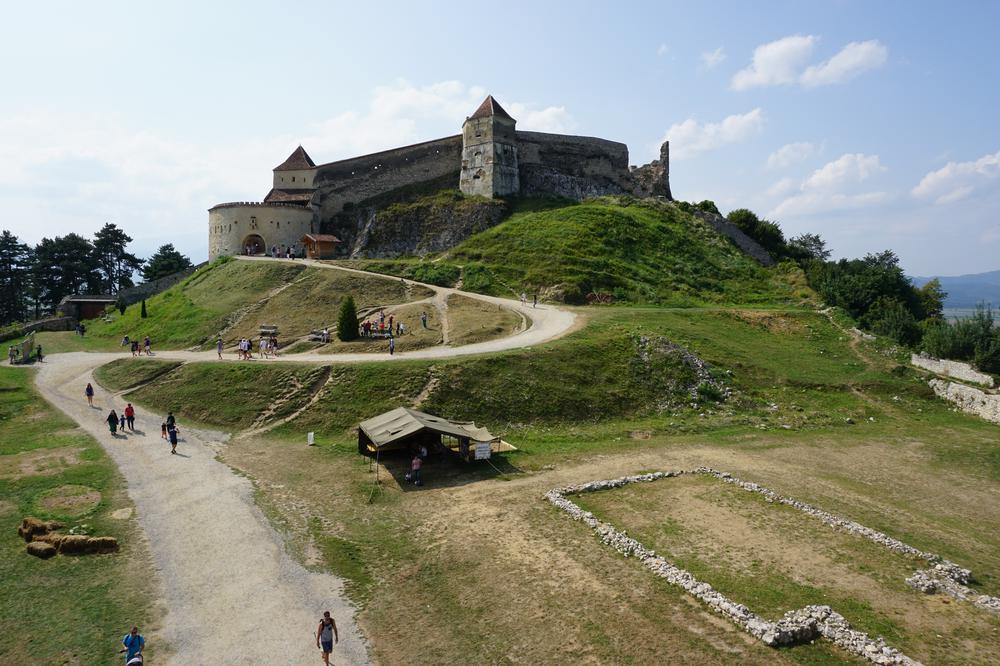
(490,159)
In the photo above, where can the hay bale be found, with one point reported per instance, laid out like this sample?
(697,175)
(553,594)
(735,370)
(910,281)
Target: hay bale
(103,544)
(33,526)
(73,544)
(41,549)
(51,538)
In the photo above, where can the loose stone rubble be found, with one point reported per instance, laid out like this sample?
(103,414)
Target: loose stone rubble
(796,626)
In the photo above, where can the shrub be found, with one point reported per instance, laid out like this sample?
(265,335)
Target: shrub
(709,391)
(347,320)
(888,316)
(441,274)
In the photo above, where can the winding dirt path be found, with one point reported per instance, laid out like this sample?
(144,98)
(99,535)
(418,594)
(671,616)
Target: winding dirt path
(232,592)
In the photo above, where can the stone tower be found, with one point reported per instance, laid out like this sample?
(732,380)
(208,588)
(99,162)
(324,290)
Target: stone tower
(489,152)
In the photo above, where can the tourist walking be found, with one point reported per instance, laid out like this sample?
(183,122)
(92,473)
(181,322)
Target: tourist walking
(146,344)
(392,345)
(524,298)
(129,417)
(534,300)
(415,466)
(423,319)
(172,434)
(326,636)
(11,355)
(113,422)
(135,347)
(218,347)
(89,392)
(38,353)
(132,645)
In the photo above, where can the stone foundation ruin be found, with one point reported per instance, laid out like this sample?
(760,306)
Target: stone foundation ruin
(796,626)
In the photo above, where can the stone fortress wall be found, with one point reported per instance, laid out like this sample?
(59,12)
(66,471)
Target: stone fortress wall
(490,158)
(232,225)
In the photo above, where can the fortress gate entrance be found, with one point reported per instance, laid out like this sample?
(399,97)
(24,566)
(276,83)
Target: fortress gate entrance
(255,243)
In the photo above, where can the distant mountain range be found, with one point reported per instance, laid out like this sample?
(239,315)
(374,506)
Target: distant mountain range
(965,291)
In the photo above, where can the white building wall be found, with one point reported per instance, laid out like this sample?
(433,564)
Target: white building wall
(230,225)
(294,180)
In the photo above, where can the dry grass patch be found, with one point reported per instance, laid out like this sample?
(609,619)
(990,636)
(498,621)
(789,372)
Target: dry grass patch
(472,320)
(772,322)
(40,462)
(70,501)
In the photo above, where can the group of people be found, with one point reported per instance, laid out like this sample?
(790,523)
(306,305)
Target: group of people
(382,326)
(133,344)
(267,346)
(326,636)
(168,429)
(524,300)
(286,251)
(14,353)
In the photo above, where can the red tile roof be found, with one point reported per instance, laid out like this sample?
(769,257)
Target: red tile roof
(490,107)
(289,196)
(298,160)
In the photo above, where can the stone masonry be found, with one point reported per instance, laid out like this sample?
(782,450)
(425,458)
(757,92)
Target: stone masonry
(796,626)
(954,369)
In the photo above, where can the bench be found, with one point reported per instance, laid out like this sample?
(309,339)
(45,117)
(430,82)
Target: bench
(316,335)
(268,330)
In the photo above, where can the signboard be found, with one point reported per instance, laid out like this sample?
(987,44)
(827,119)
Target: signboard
(311,439)
(482,450)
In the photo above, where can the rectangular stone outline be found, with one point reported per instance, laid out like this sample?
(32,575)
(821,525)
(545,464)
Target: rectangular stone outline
(795,626)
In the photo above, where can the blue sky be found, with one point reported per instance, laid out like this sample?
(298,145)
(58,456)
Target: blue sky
(872,124)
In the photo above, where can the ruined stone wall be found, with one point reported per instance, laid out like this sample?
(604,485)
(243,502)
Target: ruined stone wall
(956,369)
(576,167)
(969,400)
(230,224)
(362,178)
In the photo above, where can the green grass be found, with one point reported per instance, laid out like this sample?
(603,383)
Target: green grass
(66,610)
(126,373)
(640,252)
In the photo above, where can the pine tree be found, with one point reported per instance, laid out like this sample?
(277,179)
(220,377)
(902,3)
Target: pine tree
(115,266)
(166,261)
(142,312)
(15,264)
(347,321)
(64,266)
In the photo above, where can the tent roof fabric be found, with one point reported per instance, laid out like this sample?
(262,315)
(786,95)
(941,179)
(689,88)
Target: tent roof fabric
(402,422)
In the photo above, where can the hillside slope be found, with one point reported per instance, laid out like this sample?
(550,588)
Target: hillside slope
(635,251)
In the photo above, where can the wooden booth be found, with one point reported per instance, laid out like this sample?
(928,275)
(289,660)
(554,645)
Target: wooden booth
(402,429)
(320,246)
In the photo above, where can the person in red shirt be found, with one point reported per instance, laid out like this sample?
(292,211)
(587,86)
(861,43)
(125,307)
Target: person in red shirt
(130,416)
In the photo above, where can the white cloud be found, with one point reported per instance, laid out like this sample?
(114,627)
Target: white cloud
(958,180)
(834,186)
(785,62)
(691,138)
(62,172)
(852,60)
(789,154)
(711,59)
(662,49)
(848,168)
(782,187)
(776,63)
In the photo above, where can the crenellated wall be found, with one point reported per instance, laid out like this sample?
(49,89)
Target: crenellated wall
(231,224)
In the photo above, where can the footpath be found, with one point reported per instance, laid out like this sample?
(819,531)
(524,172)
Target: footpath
(233,594)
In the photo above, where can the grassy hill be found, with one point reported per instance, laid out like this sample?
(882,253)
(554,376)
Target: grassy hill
(638,251)
(233,298)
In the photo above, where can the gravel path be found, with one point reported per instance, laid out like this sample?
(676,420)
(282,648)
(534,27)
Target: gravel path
(233,595)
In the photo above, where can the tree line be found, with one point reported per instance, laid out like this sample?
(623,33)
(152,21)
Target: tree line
(873,290)
(33,280)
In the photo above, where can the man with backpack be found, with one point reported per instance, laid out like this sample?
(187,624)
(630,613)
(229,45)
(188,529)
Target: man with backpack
(133,643)
(326,636)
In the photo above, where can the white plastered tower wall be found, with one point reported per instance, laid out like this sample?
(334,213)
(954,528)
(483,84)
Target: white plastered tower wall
(231,226)
(294,180)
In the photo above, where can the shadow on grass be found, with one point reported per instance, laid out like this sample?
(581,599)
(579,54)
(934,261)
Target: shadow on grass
(446,470)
